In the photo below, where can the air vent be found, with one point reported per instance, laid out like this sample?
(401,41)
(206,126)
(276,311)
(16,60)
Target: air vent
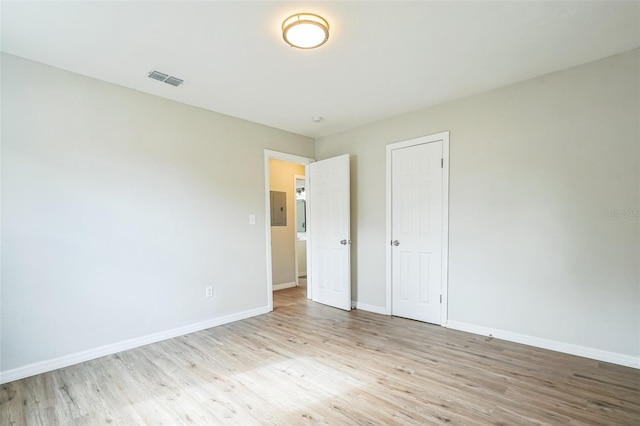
(165,78)
(174,81)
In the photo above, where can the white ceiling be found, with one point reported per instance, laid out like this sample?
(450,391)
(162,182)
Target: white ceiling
(382,58)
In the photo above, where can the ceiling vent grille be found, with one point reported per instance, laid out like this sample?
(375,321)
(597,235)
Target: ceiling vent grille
(174,81)
(165,78)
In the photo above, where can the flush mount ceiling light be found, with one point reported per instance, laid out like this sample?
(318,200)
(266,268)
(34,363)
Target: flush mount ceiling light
(305,30)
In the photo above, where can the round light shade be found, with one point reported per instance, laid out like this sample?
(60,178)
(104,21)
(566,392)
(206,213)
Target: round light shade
(305,30)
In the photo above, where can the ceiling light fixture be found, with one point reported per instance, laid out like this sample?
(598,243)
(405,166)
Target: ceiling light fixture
(305,30)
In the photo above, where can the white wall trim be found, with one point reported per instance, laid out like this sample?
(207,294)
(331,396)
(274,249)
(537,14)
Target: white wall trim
(284,285)
(276,155)
(296,178)
(67,360)
(444,137)
(554,345)
(370,308)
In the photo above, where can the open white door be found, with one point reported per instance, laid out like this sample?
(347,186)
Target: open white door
(329,232)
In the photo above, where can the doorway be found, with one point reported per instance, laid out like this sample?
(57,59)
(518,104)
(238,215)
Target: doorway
(288,224)
(282,172)
(417,228)
(327,206)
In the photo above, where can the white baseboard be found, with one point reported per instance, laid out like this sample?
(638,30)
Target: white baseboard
(554,345)
(370,308)
(67,360)
(284,285)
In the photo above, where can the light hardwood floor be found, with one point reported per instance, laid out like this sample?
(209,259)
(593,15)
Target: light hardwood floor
(306,363)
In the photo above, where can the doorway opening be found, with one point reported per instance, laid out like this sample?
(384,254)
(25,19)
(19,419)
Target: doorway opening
(327,211)
(286,198)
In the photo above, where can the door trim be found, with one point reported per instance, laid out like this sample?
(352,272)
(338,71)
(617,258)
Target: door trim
(276,155)
(296,178)
(444,137)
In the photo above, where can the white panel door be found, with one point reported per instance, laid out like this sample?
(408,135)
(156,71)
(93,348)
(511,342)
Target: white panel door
(329,232)
(416,231)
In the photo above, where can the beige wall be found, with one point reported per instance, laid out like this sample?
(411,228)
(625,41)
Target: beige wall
(301,247)
(283,238)
(534,169)
(118,208)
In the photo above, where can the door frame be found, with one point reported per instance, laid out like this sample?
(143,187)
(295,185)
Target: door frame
(296,178)
(276,155)
(437,137)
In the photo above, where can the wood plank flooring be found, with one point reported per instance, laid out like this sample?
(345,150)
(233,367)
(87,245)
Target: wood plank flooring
(306,363)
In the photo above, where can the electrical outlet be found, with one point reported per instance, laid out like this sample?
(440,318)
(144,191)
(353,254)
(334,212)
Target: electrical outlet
(208,291)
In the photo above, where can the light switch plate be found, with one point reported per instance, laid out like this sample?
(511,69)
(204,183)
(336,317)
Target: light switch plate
(252,219)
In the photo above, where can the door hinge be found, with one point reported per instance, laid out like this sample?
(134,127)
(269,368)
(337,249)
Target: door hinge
(442,163)
(440,298)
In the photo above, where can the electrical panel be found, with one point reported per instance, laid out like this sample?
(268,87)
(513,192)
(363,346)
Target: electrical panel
(278,208)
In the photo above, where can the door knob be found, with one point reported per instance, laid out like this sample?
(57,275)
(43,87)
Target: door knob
(395,243)
(343,242)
